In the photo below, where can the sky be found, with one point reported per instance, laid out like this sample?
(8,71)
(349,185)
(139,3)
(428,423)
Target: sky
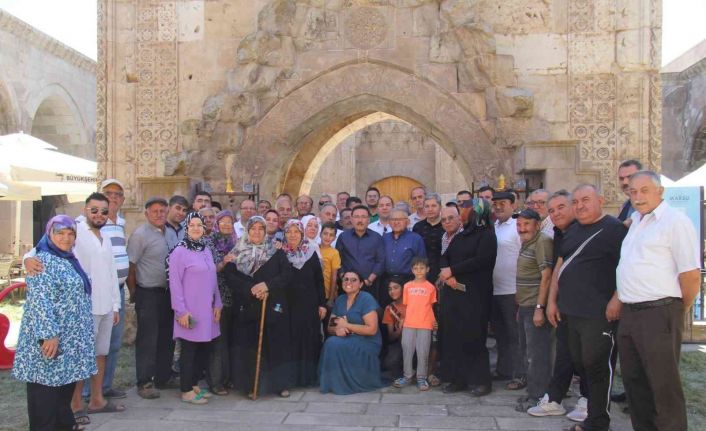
(73,22)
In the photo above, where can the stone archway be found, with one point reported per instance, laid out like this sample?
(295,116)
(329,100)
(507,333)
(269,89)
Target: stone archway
(56,119)
(290,135)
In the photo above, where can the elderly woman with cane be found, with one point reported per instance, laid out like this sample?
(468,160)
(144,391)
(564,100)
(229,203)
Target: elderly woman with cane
(258,275)
(55,347)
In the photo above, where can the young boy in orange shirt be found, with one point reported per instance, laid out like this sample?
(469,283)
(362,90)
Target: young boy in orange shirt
(419,296)
(331,261)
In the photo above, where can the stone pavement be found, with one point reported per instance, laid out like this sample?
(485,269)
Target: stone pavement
(307,409)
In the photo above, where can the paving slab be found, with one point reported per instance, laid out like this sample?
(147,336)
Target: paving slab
(474,423)
(342,419)
(309,410)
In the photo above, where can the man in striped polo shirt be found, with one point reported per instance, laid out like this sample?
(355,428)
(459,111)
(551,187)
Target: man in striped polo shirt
(114,231)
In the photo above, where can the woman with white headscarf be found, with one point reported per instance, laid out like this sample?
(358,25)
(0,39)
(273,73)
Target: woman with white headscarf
(258,270)
(307,303)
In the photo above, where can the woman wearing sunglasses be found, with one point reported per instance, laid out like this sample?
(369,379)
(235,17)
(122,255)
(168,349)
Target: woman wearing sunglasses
(349,360)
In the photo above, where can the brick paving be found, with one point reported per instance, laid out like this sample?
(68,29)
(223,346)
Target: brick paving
(386,409)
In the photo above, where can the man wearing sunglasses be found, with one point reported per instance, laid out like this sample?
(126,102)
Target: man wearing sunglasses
(95,254)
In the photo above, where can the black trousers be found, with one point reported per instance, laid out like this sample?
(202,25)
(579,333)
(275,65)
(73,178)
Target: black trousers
(49,407)
(593,351)
(219,359)
(649,343)
(194,356)
(564,367)
(154,347)
(503,319)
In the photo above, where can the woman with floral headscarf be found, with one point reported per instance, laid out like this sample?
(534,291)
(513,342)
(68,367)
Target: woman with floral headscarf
(223,239)
(257,271)
(55,347)
(196,303)
(467,261)
(307,303)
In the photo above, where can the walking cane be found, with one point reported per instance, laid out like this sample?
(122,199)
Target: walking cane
(259,348)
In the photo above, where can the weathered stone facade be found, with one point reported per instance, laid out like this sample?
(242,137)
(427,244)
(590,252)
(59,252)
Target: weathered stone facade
(255,89)
(684,112)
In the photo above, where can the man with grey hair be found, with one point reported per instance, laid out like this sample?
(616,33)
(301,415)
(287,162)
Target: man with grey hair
(416,196)
(587,297)
(323,200)
(658,278)
(431,231)
(537,201)
(304,205)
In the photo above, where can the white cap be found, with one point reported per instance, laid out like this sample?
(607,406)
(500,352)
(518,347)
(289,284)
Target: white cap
(110,181)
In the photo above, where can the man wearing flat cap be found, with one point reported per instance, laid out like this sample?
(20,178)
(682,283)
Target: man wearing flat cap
(534,273)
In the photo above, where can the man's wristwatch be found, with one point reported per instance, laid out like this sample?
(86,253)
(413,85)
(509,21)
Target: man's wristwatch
(540,307)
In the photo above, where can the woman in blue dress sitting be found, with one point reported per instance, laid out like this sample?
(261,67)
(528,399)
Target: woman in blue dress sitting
(55,347)
(349,360)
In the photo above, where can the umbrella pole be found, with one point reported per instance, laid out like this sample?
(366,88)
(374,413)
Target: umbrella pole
(259,348)
(18,231)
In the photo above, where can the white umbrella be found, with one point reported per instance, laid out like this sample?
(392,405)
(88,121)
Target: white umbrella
(32,168)
(696,178)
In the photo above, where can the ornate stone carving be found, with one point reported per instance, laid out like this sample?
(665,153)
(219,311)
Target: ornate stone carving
(101,88)
(156,98)
(366,27)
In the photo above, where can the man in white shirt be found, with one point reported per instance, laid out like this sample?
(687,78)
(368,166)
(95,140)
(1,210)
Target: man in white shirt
(247,210)
(537,201)
(417,197)
(504,308)
(658,278)
(95,255)
(382,225)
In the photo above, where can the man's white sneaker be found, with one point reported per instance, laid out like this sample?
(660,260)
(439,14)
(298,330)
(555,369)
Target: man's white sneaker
(546,408)
(580,412)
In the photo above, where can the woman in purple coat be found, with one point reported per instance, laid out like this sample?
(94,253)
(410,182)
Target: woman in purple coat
(196,303)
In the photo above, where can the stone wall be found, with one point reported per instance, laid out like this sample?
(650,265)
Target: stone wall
(46,89)
(255,89)
(384,149)
(684,113)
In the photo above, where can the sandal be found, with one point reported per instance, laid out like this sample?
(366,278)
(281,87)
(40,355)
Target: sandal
(516,384)
(81,418)
(433,380)
(109,407)
(197,399)
(203,392)
(284,393)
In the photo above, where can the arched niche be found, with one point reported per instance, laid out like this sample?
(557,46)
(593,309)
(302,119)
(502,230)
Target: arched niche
(289,136)
(56,119)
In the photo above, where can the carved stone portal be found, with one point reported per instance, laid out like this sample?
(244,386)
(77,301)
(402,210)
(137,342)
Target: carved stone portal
(186,85)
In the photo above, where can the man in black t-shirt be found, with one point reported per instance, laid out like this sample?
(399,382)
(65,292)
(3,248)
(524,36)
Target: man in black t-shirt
(431,232)
(585,272)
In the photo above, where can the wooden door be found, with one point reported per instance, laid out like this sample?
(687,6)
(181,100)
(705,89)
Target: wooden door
(398,187)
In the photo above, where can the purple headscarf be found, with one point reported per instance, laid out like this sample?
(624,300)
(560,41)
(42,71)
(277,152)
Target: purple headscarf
(56,224)
(223,243)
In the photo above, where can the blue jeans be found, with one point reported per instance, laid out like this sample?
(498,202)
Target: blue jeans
(111,361)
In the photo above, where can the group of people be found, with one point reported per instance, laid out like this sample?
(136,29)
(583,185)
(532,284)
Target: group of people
(362,293)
